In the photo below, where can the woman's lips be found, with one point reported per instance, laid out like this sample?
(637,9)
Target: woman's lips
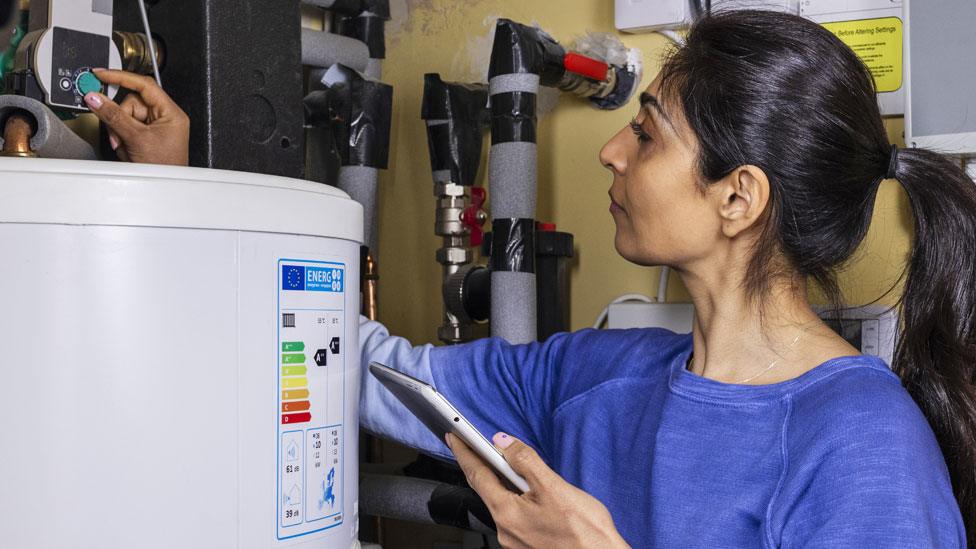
(614,206)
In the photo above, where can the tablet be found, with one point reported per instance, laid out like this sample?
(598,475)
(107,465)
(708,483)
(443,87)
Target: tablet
(441,417)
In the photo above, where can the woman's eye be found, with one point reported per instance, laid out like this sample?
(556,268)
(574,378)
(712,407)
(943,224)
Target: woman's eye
(638,130)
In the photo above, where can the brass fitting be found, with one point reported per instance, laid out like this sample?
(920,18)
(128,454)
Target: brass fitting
(17,133)
(134,47)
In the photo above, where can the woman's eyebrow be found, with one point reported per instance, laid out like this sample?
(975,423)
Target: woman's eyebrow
(649,102)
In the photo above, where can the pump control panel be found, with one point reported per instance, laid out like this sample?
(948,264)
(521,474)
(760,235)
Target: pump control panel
(67,39)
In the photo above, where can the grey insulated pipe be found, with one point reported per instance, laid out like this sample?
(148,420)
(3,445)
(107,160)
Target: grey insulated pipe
(361,183)
(522,58)
(51,139)
(357,111)
(324,49)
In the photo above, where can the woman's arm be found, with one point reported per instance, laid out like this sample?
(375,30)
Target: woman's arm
(379,411)
(497,386)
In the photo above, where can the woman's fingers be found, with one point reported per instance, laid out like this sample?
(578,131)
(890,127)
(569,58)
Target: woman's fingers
(143,85)
(114,117)
(525,461)
(136,108)
(148,126)
(480,476)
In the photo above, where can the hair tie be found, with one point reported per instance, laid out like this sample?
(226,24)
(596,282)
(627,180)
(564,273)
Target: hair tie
(893,163)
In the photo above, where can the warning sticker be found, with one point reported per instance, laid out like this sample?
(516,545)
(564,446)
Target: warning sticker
(878,42)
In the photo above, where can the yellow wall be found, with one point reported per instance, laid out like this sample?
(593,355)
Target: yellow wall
(452,37)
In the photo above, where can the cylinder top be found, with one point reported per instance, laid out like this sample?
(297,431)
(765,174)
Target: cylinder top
(113,193)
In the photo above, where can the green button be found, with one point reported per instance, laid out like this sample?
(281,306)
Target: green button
(88,82)
(292,346)
(293,359)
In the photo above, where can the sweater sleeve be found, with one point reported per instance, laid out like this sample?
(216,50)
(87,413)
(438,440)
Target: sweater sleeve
(497,386)
(380,412)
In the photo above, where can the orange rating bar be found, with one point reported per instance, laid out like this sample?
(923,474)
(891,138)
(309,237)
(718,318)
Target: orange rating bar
(296,406)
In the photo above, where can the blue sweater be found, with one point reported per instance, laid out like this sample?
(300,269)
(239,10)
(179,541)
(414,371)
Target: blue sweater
(838,457)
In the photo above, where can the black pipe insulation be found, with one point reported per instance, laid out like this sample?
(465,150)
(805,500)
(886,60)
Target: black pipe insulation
(456,115)
(423,501)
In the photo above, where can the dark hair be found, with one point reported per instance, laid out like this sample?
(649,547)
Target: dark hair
(784,94)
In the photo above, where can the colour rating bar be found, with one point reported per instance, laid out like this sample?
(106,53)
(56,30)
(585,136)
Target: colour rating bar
(295,405)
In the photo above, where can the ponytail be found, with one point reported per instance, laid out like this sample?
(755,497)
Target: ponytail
(936,355)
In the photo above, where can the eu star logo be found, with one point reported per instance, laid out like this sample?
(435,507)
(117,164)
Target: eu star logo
(292,277)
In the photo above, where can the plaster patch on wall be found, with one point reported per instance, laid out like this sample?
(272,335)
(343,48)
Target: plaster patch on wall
(425,16)
(399,17)
(470,63)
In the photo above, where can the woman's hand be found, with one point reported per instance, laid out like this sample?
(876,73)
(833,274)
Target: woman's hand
(148,126)
(553,513)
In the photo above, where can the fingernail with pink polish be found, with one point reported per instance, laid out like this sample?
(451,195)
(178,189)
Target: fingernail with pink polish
(502,440)
(113,141)
(93,100)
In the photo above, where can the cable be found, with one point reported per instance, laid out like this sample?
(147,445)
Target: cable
(600,320)
(662,285)
(674,35)
(152,45)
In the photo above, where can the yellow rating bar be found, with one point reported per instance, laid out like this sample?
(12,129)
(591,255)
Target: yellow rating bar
(292,382)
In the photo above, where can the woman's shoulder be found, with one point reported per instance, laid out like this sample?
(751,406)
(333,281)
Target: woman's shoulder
(858,407)
(634,351)
(859,452)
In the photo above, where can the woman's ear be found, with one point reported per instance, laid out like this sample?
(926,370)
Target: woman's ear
(743,196)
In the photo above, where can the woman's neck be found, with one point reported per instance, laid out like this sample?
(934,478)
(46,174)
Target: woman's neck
(739,340)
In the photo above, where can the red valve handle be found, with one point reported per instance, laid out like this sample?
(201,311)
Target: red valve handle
(586,66)
(473,217)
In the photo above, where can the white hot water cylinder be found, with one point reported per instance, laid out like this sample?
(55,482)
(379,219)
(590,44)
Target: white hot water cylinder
(179,360)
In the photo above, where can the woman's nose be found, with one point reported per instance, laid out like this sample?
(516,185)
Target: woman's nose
(613,155)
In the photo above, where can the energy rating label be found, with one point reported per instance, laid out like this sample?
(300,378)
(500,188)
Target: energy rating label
(310,371)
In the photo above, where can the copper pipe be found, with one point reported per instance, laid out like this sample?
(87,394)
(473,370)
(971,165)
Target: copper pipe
(369,296)
(374,444)
(17,133)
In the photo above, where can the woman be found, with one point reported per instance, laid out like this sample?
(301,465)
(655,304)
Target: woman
(751,167)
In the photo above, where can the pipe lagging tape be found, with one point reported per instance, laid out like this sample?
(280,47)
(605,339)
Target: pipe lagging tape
(423,501)
(360,183)
(513,307)
(52,138)
(513,245)
(324,49)
(348,7)
(374,69)
(518,82)
(441,176)
(513,177)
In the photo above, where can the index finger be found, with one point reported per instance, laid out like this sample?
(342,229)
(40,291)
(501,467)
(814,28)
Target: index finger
(480,476)
(145,86)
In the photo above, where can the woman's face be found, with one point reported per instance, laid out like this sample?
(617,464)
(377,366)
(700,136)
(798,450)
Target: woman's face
(661,214)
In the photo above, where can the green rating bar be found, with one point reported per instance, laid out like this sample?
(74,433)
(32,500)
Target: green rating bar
(292,346)
(296,358)
(293,370)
